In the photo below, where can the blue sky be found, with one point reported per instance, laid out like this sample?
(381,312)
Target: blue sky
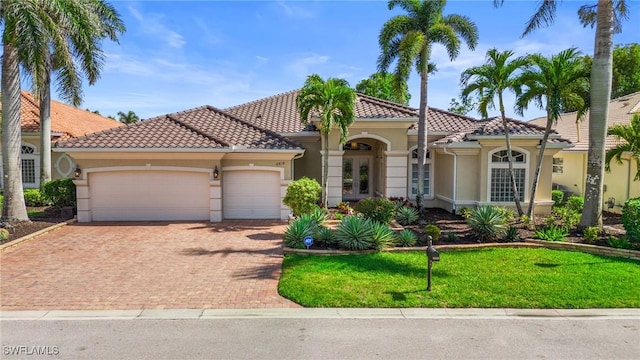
(177,55)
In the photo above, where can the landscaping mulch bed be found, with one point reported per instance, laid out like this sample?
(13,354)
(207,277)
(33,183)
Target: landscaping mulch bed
(49,216)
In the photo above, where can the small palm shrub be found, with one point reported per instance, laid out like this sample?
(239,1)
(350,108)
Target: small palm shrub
(34,198)
(297,230)
(406,238)
(302,195)
(379,209)
(433,231)
(382,237)
(526,220)
(631,219)
(355,233)
(61,192)
(575,203)
(511,234)
(465,212)
(552,233)
(557,196)
(325,237)
(487,223)
(591,234)
(406,215)
(619,243)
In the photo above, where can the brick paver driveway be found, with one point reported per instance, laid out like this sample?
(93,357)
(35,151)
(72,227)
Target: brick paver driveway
(146,266)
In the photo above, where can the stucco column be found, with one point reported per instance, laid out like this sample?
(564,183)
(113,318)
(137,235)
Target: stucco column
(396,173)
(284,209)
(83,201)
(215,201)
(334,176)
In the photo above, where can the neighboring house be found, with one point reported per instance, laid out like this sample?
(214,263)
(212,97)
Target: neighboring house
(66,122)
(570,165)
(212,164)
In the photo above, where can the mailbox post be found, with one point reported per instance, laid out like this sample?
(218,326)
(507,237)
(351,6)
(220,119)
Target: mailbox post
(432,255)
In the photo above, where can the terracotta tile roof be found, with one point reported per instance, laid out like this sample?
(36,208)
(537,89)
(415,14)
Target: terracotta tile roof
(621,111)
(65,119)
(445,121)
(279,113)
(202,127)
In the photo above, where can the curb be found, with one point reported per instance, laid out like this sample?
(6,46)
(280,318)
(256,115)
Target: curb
(327,313)
(26,238)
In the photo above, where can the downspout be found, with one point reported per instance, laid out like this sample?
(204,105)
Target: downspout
(629,179)
(455,178)
(293,161)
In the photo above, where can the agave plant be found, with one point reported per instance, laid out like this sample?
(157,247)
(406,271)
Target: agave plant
(382,236)
(487,223)
(406,215)
(355,233)
(511,234)
(297,230)
(325,237)
(319,215)
(405,238)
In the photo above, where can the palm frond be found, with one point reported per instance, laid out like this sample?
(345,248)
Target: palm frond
(544,16)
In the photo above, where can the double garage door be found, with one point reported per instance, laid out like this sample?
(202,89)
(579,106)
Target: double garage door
(182,195)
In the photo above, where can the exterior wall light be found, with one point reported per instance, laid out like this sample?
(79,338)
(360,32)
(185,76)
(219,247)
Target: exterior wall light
(216,173)
(77,172)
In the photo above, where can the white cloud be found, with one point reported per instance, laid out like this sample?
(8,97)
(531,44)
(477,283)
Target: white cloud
(302,67)
(294,11)
(153,24)
(261,60)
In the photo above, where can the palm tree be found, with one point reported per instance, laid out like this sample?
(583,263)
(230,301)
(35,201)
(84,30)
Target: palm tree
(553,85)
(631,136)
(607,17)
(407,39)
(71,42)
(129,118)
(333,102)
(490,80)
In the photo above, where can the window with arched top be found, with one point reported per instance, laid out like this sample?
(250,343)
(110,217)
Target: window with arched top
(500,180)
(30,166)
(413,175)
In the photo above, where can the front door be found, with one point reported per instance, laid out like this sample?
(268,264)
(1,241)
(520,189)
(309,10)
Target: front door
(356,177)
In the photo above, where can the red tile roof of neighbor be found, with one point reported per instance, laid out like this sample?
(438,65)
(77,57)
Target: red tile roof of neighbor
(65,119)
(198,128)
(621,111)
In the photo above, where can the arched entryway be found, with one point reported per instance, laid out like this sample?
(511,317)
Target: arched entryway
(363,168)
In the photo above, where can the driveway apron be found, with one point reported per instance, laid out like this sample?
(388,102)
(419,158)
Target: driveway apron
(146,265)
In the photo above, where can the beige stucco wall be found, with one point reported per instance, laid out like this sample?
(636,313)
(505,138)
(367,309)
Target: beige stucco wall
(310,165)
(573,171)
(395,133)
(285,164)
(468,188)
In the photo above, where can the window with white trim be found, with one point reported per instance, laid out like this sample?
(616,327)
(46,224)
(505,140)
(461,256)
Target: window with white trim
(413,176)
(30,166)
(500,180)
(558,164)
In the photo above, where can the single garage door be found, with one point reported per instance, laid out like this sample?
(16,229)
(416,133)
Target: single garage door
(149,195)
(251,194)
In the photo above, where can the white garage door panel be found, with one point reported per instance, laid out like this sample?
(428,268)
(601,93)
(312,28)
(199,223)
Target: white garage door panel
(149,195)
(251,194)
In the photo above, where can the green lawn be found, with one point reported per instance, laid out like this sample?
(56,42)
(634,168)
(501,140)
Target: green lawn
(489,278)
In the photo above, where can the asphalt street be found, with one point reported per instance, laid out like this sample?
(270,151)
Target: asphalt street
(322,335)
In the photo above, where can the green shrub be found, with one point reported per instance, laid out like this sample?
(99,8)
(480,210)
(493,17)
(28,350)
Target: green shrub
(433,231)
(619,243)
(297,230)
(344,208)
(557,196)
(575,203)
(319,215)
(355,233)
(487,223)
(569,217)
(631,219)
(591,234)
(325,237)
(511,235)
(61,192)
(34,198)
(452,237)
(382,236)
(302,195)
(4,234)
(526,220)
(507,214)
(465,212)
(379,209)
(406,215)
(552,233)
(338,216)
(406,238)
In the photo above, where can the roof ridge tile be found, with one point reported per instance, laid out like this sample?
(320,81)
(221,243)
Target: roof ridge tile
(171,117)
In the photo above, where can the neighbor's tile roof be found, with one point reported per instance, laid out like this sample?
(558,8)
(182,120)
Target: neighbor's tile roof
(621,111)
(65,119)
(202,127)
(279,113)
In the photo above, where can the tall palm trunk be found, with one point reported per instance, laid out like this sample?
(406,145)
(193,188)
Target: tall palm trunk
(507,136)
(45,126)
(325,172)
(422,128)
(536,175)
(601,73)
(13,209)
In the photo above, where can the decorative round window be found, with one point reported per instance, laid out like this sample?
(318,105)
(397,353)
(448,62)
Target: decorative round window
(65,165)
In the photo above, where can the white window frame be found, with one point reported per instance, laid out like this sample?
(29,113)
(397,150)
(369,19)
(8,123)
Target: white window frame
(505,165)
(558,165)
(35,156)
(428,194)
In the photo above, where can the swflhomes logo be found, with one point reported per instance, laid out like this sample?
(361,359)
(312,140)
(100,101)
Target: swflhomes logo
(30,350)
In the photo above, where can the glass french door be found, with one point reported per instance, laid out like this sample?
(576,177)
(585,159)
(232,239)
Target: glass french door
(356,177)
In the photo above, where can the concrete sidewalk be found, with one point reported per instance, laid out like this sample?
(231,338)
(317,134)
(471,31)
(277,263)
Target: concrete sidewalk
(323,313)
